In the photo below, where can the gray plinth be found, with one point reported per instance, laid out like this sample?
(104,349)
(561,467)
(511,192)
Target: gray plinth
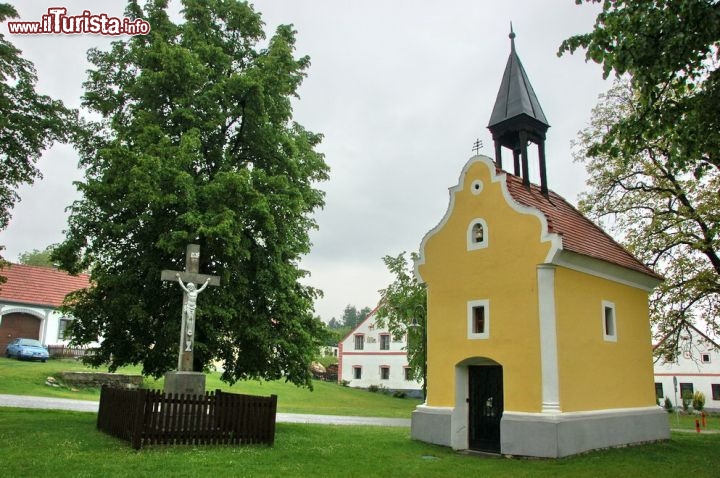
(192,383)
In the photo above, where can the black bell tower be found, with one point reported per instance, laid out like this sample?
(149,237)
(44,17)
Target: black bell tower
(517,119)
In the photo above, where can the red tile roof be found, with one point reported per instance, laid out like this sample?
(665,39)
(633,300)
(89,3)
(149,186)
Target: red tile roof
(39,285)
(579,234)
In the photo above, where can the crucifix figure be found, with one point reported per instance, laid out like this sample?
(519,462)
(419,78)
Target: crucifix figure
(187,279)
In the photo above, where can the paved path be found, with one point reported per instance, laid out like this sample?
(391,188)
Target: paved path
(24,401)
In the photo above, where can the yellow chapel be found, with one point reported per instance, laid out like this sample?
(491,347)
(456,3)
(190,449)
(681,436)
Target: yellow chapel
(538,334)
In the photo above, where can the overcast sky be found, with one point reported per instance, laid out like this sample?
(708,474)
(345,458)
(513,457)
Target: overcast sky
(399,89)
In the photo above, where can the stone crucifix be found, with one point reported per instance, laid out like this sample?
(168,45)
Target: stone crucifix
(187,279)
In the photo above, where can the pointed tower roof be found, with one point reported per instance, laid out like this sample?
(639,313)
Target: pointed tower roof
(516,95)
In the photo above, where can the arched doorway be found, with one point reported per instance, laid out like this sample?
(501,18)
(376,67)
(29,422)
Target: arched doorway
(479,404)
(18,325)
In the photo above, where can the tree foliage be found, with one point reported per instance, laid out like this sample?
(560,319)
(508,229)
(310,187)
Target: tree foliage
(195,143)
(29,122)
(403,309)
(352,317)
(38,258)
(670,49)
(666,216)
(653,150)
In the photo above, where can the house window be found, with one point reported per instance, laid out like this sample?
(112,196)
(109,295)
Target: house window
(609,322)
(705,358)
(357,373)
(407,373)
(686,390)
(62,328)
(478,319)
(715,391)
(384,341)
(359,342)
(477,234)
(384,373)
(659,390)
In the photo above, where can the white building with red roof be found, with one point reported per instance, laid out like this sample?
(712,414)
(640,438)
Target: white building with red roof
(370,356)
(30,300)
(694,368)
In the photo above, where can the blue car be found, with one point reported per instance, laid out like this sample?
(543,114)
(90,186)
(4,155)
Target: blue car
(27,349)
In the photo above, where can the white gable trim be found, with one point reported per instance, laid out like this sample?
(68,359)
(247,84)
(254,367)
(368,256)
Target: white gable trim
(605,270)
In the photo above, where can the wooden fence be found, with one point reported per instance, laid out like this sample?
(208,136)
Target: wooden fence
(64,351)
(149,417)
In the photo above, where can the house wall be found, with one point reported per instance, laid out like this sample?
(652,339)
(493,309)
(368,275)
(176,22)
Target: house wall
(594,373)
(504,273)
(371,359)
(689,368)
(49,321)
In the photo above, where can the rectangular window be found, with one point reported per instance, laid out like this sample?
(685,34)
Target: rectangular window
(357,373)
(62,328)
(705,358)
(716,391)
(478,319)
(407,373)
(659,390)
(359,342)
(384,341)
(384,373)
(609,321)
(686,390)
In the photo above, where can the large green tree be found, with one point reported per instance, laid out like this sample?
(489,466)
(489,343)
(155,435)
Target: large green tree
(653,150)
(403,310)
(671,51)
(667,216)
(195,143)
(29,122)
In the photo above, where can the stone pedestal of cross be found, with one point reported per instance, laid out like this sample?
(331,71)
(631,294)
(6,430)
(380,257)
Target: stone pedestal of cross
(185,380)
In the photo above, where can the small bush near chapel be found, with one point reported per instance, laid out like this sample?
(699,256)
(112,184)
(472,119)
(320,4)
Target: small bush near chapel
(668,405)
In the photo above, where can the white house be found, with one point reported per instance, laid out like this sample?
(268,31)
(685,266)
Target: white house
(696,368)
(370,356)
(29,303)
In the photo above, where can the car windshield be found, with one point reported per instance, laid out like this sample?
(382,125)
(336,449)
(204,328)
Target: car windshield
(30,342)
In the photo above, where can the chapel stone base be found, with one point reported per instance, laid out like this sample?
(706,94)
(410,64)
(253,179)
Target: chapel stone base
(547,435)
(187,383)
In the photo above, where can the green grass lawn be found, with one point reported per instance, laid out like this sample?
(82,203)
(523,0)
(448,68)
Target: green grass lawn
(28,378)
(48,443)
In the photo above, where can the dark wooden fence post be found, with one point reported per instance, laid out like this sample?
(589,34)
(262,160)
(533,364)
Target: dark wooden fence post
(138,419)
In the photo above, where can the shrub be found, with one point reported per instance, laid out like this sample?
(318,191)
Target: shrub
(698,401)
(668,405)
(345,383)
(399,394)
(373,388)
(687,399)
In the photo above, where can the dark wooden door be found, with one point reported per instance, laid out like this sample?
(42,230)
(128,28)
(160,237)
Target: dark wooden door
(485,407)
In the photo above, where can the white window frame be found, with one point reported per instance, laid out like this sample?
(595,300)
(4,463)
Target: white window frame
(61,330)
(357,370)
(471,305)
(471,244)
(609,337)
(384,367)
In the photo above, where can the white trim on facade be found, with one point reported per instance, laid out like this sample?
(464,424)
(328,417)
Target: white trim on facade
(548,339)
(472,244)
(609,322)
(471,306)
